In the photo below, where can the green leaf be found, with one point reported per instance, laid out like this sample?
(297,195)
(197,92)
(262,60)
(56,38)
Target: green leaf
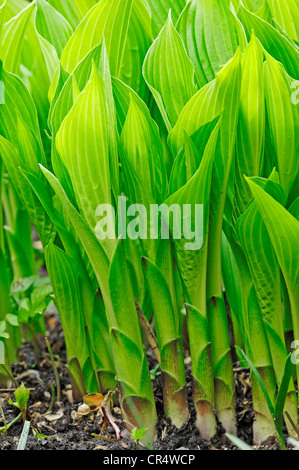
(283,391)
(13,36)
(251,126)
(164,316)
(73,10)
(39,436)
(64,278)
(209,34)
(39,295)
(192,264)
(119,282)
(202,369)
(64,102)
(82,143)
(286,13)
(18,102)
(2,11)
(25,311)
(232,283)
(127,30)
(294,209)
(22,396)
(170,345)
(190,155)
(283,230)
(12,319)
(3,333)
(37,214)
(221,96)
(52,26)
(265,272)
(277,45)
(138,434)
(122,97)
(81,75)
(128,363)
(5,280)
(94,251)
(253,5)
(169,74)
(13,7)
(283,118)
(30,149)
(143,153)
(160,11)
(39,63)
(131,364)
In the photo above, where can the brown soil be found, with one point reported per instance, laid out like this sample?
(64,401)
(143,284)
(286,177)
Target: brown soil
(68,433)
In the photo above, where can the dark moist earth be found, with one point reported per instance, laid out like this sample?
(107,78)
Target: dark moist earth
(68,431)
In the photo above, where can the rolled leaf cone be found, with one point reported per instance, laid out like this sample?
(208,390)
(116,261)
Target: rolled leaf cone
(170,346)
(132,370)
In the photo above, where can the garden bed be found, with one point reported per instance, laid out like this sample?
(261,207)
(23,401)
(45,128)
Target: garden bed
(68,432)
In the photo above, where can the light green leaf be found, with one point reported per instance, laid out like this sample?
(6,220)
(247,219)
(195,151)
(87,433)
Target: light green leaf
(220,95)
(283,117)
(283,230)
(192,264)
(164,316)
(52,26)
(3,333)
(190,156)
(63,104)
(119,282)
(73,10)
(277,45)
(209,33)
(286,13)
(82,144)
(265,272)
(37,214)
(18,101)
(143,152)
(63,273)
(294,208)
(94,251)
(126,27)
(13,8)
(251,126)
(169,74)
(13,37)
(160,11)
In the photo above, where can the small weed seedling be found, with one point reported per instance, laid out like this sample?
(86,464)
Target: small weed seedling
(22,397)
(138,434)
